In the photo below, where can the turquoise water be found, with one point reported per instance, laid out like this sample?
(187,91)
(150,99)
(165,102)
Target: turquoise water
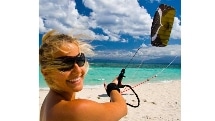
(105,72)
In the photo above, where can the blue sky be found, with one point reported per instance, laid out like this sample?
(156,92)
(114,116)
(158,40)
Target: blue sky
(116,28)
(19,38)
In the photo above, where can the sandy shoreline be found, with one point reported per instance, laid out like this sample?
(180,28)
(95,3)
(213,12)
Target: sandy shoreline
(158,101)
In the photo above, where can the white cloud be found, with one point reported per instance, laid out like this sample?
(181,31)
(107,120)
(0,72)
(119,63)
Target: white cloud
(144,53)
(154,1)
(42,28)
(120,17)
(176,30)
(113,54)
(114,17)
(169,50)
(101,37)
(62,16)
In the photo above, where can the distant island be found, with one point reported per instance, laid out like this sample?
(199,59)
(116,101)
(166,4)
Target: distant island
(163,60)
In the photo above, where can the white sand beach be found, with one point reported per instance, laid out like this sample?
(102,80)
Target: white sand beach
(158,101)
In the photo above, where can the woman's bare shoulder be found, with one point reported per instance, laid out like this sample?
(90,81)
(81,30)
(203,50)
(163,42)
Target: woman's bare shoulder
(79,109)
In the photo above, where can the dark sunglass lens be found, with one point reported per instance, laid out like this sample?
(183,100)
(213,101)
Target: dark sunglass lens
(70,61)
(66,68)
(80,63)
(80,60)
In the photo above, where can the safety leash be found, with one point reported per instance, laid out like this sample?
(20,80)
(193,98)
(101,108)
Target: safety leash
(119,78)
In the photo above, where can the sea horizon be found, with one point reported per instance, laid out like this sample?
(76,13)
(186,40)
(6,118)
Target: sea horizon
(101,72)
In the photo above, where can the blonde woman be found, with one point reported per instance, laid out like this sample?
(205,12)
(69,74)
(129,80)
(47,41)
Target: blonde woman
(64,66)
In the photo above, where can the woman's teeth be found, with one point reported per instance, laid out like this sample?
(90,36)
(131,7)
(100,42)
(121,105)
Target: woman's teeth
(74,80)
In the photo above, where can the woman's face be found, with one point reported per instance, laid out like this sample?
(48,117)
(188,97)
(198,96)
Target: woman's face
(69,80)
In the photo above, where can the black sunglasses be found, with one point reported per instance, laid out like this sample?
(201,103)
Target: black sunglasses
(67,62)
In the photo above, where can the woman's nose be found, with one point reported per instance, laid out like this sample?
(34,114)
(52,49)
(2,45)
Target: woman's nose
(76,68)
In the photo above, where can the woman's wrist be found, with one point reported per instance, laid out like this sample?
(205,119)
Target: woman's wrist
(110,87)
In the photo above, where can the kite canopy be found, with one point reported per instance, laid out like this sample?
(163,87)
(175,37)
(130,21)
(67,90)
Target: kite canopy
(162,25)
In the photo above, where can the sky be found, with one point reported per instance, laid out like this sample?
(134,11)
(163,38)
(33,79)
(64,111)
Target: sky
(19,59)
(116,28)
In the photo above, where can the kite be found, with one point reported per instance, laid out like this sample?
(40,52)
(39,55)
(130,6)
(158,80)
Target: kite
(160,33)
(162,25)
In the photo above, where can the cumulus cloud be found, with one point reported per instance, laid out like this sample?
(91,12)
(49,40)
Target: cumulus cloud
(176,30)
(113,17)
(144,53)
(62,16)
(42,27)
(154,1)
(169,50)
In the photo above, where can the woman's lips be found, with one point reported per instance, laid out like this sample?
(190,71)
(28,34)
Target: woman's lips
(74,81)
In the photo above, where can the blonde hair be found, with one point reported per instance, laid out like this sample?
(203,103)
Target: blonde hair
(51,43)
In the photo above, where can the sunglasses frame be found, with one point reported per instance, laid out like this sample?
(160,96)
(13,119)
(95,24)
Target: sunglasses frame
(68,62)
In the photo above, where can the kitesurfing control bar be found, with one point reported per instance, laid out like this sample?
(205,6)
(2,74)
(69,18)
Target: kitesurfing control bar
(119,78)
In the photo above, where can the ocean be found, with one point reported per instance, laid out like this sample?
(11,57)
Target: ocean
(100,72)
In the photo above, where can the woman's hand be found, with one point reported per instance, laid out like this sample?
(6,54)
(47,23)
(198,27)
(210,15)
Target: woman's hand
(114,81)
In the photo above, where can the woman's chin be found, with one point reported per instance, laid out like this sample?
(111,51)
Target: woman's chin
(78,87)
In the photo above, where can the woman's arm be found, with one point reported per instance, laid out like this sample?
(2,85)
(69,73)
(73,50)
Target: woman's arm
(87,110)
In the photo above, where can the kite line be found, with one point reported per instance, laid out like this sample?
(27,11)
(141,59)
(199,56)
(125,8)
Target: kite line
(154,76)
